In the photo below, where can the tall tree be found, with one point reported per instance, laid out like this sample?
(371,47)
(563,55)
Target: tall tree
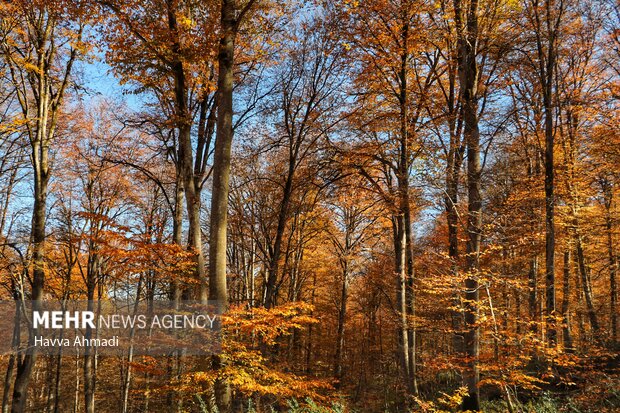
(231,18)
(545,17)
(466,15)
(40,54)
(354,226)
(178,35)
(449,130)
(394,79)
(307,93)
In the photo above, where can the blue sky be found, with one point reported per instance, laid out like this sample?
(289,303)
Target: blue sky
(99,82)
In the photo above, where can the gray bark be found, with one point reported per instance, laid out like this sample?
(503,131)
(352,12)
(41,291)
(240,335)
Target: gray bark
(222,156)
(467,33)
(546,32)
(40,107)
(186,156)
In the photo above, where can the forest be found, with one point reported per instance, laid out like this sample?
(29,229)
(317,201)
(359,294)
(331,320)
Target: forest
(392,205)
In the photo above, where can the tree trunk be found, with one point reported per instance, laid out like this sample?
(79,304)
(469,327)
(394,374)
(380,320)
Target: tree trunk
(472,333)
(90,352)
(342,311)
(533,170)
(467,32)
(186,157)
(586,284)
(453,168)
(566,332)
(177,232)
(40,150)
(547,52)
(451,200)
(193,202)
(404,207)
(221,179)
(309,347)
(613,263)
(272,278)
(533,293)
(411,332)
(400,257)
(13,356)
(222,155)
(549,222)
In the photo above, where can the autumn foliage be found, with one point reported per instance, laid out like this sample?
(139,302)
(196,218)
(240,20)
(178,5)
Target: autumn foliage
(394,205)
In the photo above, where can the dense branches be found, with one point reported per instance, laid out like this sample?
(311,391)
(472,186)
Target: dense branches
(367,190)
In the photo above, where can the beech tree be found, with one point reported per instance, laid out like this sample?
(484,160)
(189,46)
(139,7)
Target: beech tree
(175,35)
(378,221)
(40,44)
(546,18)
(307,94)
(394,76)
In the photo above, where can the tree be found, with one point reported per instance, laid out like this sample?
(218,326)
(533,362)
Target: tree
(231,18)
(466,20)
(546,18)
(178,36)
(393,81)
(377,224)
(306,92)
(40,44)
(353,227)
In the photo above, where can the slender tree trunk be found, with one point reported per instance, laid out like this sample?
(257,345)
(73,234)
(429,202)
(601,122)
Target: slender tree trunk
(7,383)
(177,232)
(221,179)
(411,331)
(549,224)
(472,334)
(467,32)
(193,202)
(518,320)
(533,293)
(580,321)
(176,288)
(342,311)
(58,367)
(400,256)
(613,291)
(90,352)
(451,200)
(186,156)
(13,356)
(453,168)
(272,278)
(404,207)
(533,170)
(8,192)
(126,379)
(222,156)
(546,40)
(89,368)
(566,332)
(251,271)
(586,284)
(613,264)
(76,392)
(40,149)
(309,350)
